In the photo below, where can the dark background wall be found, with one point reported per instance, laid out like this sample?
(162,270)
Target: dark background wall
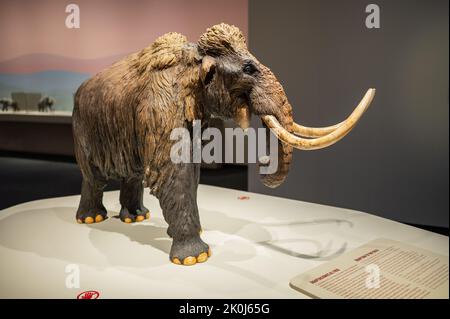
(395,162)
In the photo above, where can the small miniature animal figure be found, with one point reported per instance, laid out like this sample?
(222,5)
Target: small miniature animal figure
(8,103)
(46,104)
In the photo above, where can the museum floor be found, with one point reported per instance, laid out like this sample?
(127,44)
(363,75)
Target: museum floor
(26,178)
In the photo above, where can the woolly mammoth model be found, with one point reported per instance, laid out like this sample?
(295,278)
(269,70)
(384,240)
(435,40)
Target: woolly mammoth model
(46,104)
(8,103)
(123,118)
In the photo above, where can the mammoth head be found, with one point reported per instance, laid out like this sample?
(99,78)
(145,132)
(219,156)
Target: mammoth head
(236,84)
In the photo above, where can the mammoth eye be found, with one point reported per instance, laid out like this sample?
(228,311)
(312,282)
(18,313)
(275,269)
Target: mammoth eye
(249,68)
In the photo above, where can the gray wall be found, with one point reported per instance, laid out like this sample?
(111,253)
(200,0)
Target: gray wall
(395,162)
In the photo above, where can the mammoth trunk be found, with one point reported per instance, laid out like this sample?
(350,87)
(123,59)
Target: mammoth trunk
(284,150)
(268,98)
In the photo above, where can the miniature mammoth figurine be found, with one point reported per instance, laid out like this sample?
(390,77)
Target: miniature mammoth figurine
(124,115)
(46,104)
(8,103)
(4,103)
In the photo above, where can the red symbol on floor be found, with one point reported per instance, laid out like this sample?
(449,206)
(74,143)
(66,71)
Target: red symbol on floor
(90,294)
(243,197)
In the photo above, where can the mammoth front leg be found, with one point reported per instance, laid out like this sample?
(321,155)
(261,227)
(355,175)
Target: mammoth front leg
(178,200)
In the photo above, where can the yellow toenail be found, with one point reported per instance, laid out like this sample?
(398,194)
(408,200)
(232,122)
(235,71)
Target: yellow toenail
(128,220)
(79,221)
(176,261)
(209,252)
(202,257)
(140,218)
(189,261)
(147,216)
(200,232)
(98,218)
(89,220)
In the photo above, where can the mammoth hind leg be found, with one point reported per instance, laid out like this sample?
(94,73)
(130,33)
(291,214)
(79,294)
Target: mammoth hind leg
(131,200)
(91,209)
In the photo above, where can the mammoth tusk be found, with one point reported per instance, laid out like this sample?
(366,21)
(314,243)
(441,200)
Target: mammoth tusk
(242,117)
(306,131)
(321,142)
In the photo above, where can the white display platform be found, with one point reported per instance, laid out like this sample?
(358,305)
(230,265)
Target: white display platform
(258,245)
(59,117)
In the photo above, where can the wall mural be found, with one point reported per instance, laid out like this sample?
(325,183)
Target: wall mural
(45,56)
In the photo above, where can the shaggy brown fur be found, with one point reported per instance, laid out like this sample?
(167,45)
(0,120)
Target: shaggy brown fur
(132,106)
(124,115)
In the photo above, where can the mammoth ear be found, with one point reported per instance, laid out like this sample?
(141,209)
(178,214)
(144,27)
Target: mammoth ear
(207,69)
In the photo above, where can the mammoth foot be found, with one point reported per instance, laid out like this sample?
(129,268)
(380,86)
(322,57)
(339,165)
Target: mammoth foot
(90,216)
(189,252)
(131,217)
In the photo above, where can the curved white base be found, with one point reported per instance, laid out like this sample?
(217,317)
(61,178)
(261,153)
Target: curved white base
(258,245)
